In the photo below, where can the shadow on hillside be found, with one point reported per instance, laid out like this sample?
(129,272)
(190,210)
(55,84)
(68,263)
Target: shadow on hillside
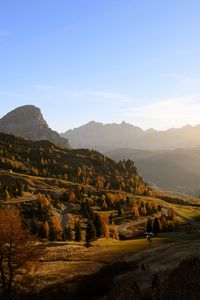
(85,287)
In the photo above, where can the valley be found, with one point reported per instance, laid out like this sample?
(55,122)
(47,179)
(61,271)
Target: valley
(67,266)
(99,150)
(96,227)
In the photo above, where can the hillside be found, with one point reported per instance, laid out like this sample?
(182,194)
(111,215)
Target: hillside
(43,158)
(81,207)
(28,121)
(105,137)
(175,170)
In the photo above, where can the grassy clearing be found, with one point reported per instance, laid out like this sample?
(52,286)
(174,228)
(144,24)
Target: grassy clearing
(160,259)
(41,183)
(113,250)
(64,261)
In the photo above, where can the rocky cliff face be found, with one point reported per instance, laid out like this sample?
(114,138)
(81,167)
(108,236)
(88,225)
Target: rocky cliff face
(27,121)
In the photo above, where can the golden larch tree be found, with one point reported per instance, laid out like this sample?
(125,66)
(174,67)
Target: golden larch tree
(17,248)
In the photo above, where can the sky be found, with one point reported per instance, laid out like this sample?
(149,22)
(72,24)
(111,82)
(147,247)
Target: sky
(102,60)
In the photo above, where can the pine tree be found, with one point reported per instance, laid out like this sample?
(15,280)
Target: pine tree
(26,187)
(120,210)
(77,229)
(148,207)
(19,188)
(111,218)
(69,233)
(156,226)
(90,233)
(98,225)
(104,205)
(149,227)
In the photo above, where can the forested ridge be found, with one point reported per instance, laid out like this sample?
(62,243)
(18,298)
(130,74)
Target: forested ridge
(43,158)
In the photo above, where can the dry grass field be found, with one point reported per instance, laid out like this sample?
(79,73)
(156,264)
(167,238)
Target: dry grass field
(154,261)
(65,261)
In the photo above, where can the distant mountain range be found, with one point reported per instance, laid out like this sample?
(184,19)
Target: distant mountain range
(168,159)
(27,121)
(175,170)
(114,136)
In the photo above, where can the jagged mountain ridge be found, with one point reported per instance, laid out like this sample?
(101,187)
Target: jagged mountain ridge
(28,121)
(105,137)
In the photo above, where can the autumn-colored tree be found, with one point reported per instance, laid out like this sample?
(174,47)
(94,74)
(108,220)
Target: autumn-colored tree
(153,207)
(143,211)
(56,229)
(163,221)
(171,213)
(104,221)
(72,197)
(17,248)
(65,177)
(116,233)
(39,197)
(100,182)
(44,201)
(79,171)
(135,212)
(34,171)
(46,230)
(6,195)
(103,198)
(106,231)
(42,161)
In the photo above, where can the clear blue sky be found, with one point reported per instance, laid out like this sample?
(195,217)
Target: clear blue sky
(103,60)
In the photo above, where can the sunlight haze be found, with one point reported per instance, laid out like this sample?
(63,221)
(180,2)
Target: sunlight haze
(106,61)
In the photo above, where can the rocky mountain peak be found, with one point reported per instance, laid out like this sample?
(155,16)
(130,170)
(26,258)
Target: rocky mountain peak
(28,121)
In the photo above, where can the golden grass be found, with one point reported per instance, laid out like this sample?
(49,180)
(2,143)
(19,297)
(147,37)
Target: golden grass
(65,261)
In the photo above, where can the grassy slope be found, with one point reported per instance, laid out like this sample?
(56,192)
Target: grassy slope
(67,261)
(154,260)
(40,183)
